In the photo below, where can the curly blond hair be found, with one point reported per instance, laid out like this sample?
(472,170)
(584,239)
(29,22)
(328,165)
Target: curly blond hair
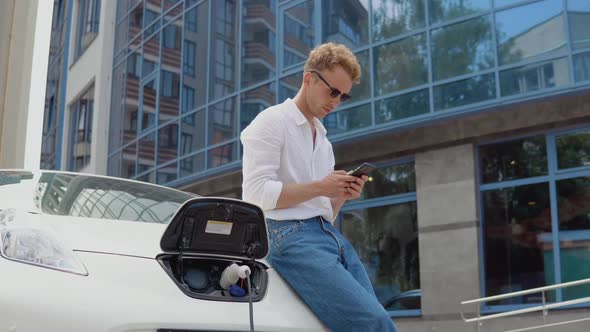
(329,55)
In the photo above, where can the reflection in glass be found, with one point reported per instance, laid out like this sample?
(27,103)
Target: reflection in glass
(168,143)
(222,155)
(224,49)
(349,119)
(192,165)
(151,55)
(299,33)
(170,74)
(503,3)
(192,136)
(151,17)
(188,60)
(129,160)
(130,115)
(255,101)
(401,65)
(531,30)
(104,198)
(114,165)
(121,37)
(386,240)
(444,10)
(573,150)
(171,3)
(136,21)
(574,234)
(533,77)
(147,152)
(167,173)
(464,92)
(54,86)
(169,99)
(147,177)
(362,90)
(195,55)
(513,160)
(148,105)
(222,121)
(462,48)
(122,9)
(289,86)
(579,21)
(394,17)
(402,106)
(259,41)
(346,22)
(117,108)
(582,67)
(517,242)
(391,180)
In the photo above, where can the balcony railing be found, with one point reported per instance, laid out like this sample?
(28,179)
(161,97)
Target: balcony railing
(543,308)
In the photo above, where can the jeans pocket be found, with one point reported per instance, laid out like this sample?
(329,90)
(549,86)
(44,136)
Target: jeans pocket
(281,230)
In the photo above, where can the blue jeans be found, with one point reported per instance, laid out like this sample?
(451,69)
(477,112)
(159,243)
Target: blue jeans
(324,269)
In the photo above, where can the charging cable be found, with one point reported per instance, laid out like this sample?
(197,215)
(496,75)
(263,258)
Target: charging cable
(250,301)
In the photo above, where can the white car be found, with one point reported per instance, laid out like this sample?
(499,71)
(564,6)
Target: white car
(90,253)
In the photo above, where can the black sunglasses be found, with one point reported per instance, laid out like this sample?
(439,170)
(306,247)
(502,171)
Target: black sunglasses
(334,93)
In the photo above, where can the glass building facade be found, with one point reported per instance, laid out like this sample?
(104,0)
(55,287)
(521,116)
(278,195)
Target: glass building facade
(56,84)
(188,76)
(536,225)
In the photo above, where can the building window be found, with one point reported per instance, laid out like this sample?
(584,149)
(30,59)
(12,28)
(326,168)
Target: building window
(299,33)
(188,99)
(383,228)
(188,59)
(134,65)
(171,37)
(170,83)
(81,113)
(191,20)
(531,189)
(88,24)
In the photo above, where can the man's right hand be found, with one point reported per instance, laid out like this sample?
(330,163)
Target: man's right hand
(337,184)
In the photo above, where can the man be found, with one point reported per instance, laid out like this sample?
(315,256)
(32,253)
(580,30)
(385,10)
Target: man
(288,168)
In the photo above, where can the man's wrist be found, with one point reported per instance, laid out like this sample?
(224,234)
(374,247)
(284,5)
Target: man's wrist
(339,200)
(317,188)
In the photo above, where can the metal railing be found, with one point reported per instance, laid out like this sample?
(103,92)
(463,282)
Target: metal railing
(544,307)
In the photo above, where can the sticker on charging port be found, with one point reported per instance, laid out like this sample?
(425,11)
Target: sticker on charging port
(218,227)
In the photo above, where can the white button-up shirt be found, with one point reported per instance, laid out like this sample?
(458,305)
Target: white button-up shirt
(278,149)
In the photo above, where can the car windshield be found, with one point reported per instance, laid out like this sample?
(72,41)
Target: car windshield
(86,196)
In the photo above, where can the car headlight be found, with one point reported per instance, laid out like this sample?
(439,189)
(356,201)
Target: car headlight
(37,247)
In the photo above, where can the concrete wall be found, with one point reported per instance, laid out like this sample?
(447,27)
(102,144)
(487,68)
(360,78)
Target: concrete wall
(447,230)
(25,30)
(7,10)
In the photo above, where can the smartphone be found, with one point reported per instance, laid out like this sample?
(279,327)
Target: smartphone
(363,169)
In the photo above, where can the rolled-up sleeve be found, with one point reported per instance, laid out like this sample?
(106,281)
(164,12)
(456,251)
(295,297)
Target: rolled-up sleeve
(262,142)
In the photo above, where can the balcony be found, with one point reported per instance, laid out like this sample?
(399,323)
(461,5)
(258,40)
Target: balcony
(260,51)
(260,12)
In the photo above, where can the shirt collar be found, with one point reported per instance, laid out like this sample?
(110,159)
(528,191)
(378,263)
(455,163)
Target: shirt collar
(300,119)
